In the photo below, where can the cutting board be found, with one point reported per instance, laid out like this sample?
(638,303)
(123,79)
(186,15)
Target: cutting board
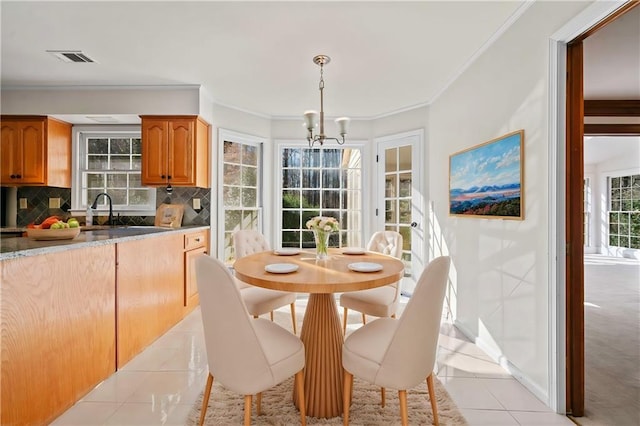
(169,215)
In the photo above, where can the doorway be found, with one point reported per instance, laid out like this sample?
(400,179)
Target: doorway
(400,199)
(574,214)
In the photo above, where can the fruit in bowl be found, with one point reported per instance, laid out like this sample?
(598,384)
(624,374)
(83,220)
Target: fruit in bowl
(53,228)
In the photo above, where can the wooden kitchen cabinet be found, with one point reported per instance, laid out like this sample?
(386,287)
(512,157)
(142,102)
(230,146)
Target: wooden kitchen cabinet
(150,291)
(36,151)
(58,331)
(175,150)
(195,244)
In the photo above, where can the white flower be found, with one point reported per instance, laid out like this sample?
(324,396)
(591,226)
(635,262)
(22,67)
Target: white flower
(326,224)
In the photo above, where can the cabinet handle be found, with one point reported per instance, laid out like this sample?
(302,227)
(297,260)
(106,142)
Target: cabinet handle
(162,176)
(12,176)
(19,176)
(169,177)
(197,240)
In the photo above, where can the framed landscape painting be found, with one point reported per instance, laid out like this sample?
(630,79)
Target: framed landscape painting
(487,180)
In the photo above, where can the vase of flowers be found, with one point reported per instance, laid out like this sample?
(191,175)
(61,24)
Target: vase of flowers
(322,228)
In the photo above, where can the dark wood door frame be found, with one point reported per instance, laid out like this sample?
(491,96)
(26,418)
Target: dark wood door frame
(574,202)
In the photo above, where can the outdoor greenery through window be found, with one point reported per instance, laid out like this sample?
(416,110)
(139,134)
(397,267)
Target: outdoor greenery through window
(624,213)
(321,182)
(112,165)
(241,190)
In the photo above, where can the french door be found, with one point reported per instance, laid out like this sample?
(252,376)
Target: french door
(400,201)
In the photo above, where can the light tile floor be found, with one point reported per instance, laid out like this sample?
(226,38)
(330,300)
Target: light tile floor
(160,385)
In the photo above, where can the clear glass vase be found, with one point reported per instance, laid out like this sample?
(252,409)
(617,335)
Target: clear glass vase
(322,244)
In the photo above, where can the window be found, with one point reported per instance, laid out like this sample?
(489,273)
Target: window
(587,212)
(110,161)
(321,182)
(241,189)
(624,211)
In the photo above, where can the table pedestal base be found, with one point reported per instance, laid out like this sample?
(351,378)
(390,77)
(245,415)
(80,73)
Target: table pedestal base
(322,338)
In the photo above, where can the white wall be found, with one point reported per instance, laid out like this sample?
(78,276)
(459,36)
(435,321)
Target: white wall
(501,267)
(102,101)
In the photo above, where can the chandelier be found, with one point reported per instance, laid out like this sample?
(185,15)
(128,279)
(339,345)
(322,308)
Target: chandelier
(311,117)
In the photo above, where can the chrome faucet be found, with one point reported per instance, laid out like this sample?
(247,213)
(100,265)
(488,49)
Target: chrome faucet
(95,205)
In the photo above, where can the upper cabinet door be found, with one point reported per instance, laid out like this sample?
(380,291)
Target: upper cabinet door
(33,153)
(155,149)
(181,153)
(23,153)
(9,146)
(175,150)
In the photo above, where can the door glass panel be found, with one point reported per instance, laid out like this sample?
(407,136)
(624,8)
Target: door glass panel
(391,160)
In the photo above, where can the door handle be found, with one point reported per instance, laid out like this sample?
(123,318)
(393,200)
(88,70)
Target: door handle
(414,224)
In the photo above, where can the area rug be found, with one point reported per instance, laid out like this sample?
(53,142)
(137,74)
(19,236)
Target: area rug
(227,408)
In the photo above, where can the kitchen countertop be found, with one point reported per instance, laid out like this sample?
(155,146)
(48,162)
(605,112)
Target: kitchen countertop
(11,248)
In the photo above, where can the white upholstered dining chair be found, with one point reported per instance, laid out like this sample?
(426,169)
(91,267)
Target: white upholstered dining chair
(400,353)
(258,300)
(380,301)
(245,355)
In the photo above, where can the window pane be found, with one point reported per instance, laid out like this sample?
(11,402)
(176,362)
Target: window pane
(405,184)
(116,180)
(332,158)
(291,199)
(97,162)
(136,146)
(120,146)
(250,219)
(136,163)
(310,178)
(135,180)
(249,198)
(405,231)
(311,158)
(139,197)
(331,178)
(118,196)
(231,197)
(405,211)
(390,186)
(615,182)
(291,239)
(291,179)
(232,220)
(311,199)
(291,157)
(119,162)
(231,152)
(249,176)
(250,155)
(231,174)
(404,153)
(95,180)
(391,214)
(330,199)
(97,146)
(291,219)
(391,160)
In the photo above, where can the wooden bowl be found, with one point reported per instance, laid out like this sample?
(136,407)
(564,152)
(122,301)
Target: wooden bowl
(52,234)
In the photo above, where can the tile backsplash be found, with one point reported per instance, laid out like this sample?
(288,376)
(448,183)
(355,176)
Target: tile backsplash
(38,206)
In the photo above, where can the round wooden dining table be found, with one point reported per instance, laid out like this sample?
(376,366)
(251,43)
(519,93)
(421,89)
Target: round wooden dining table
(321,330)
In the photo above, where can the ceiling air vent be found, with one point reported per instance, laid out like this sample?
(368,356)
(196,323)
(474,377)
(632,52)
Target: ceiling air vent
(70,55)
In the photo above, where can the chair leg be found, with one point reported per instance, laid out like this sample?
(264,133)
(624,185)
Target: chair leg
(293,317)
(382,397)
(205,398)
(393,316)
(259,404)
(346,396)
(271,315)
(247,410)
(432,398)
(364,319)
(301,403)
(404,417)
(344,322)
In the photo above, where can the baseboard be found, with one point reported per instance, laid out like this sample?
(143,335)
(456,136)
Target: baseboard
(535,389)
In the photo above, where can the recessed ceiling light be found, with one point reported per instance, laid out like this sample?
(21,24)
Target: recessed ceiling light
(71,56)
